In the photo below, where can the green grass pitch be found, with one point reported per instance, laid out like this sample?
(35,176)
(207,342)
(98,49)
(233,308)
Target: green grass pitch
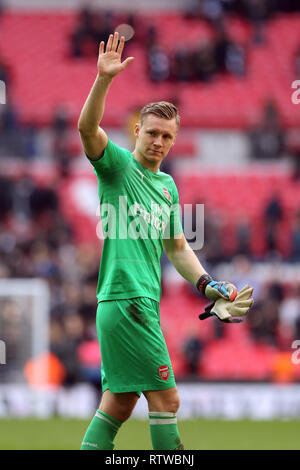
(66,434)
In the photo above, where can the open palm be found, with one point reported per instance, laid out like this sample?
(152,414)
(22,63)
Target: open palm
(109,60)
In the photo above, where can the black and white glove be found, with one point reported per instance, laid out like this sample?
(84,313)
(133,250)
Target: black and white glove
(224,310)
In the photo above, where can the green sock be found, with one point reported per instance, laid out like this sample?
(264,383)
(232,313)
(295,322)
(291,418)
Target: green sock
(164,431)
(101,432)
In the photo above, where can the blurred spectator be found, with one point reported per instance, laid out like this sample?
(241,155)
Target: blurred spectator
(229,56)
(102,25)
(83,34)
(87,306)
(297,62)
(213,11)
(16,140)
(9,131)
(235,60)
(192,349)
(14,326)
(222,44)
(92,28)
(263,320)
(61,128)
(257,12)
(29,140)
(159,66)
(274,210)
(285,5)
(183,68)
(296,158)
(204,61)
(43,262)
(267,140)
(289,317)
(69,335)
(150,39)
(273,215)
(243,235)
(2,9)
(5,74)
(43,199)
(212,250)
(271,113)
(6,197)
(210,10)
(295,239)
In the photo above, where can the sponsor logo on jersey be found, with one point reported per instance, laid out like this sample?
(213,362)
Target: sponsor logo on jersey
(166,193)
(163,372)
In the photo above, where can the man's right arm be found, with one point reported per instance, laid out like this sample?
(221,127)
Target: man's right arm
(93,137)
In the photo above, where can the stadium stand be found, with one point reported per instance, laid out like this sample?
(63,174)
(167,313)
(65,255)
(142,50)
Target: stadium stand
(270,71)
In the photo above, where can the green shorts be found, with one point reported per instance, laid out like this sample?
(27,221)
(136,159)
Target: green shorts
(134,355)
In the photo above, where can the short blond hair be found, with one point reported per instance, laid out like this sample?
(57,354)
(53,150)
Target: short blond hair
(162,109)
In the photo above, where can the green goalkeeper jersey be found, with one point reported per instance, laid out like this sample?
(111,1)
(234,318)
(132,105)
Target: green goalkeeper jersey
(138,208)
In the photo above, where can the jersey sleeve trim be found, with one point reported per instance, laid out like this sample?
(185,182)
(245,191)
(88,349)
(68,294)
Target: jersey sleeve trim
(94,159)
(112,159)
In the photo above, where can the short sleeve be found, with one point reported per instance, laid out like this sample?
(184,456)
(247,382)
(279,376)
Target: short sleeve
(114,158)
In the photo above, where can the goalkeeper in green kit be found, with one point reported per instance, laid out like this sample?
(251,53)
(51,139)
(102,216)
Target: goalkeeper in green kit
(139,211)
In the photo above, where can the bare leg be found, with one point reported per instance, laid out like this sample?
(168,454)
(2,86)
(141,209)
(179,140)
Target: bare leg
(118,405)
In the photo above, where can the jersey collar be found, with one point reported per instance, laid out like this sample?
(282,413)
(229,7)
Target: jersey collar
(146,171)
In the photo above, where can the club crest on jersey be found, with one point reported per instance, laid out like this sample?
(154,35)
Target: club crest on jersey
(163,372)
(166,193)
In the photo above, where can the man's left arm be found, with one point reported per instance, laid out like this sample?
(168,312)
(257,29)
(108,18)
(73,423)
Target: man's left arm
(189,267)
(184,259)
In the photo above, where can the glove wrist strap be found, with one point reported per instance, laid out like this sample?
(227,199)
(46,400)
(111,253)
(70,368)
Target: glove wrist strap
(202,282)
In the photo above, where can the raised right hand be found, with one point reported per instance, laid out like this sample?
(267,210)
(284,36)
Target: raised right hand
(109,59)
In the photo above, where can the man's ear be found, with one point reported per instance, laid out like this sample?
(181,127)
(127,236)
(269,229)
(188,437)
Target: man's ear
(136,129)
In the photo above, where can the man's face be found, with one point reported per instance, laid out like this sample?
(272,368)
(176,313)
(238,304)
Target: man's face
(155,138)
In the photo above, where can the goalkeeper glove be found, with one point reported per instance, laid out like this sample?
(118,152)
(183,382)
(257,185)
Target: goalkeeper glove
(224,310)
(214,290)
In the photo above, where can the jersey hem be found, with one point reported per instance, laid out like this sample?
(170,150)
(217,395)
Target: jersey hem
(126,296)
(140,387)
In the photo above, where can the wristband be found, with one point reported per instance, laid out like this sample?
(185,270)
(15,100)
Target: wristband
(202,282)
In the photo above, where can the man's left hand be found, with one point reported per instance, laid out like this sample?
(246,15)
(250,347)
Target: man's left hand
(214,290)
(225,310)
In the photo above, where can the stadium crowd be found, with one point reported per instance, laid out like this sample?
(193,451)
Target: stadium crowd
(208,58)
